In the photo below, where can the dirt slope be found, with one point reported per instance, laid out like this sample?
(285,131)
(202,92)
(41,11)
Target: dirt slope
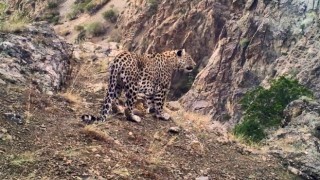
(54,144)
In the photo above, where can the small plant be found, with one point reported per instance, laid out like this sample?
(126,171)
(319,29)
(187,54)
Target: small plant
(79,28)
(22,159)
(153,6)
(72,16)
(95,29)
(52,17)
(79,7)
(110,15)
(263,108)
(15,23)
(244,42)
(90,7)
(52,5)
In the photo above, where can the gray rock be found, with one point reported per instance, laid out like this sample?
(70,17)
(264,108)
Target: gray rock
(298,141)
(35,55)
(14,118)
(202,178)
(175,129)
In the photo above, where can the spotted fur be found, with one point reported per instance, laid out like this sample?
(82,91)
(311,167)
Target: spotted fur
(149,75)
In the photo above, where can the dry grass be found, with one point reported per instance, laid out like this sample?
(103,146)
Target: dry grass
(157,148)
(93,132)
(72,97)
(16,22)
(28,113)
(187,120)
(12,27)
(21,159)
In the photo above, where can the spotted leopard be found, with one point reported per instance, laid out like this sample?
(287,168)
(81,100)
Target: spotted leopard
(149,75)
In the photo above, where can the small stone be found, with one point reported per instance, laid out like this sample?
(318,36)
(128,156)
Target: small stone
(50,93)
(4,130)
(131,135)
(202,178)
(173,106)
(264,158)
(117,142)
(294,170)
(8,137)
(174,129)
(136,118)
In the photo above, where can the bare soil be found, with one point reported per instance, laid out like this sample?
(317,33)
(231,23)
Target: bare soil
(54,144)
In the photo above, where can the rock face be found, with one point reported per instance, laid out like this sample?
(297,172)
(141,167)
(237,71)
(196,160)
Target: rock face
(299,141)
(265,40)
(237,44)
(156,27)
(36,55)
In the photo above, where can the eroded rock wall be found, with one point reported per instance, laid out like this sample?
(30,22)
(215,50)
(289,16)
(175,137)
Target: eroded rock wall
(36,55)
(238,45)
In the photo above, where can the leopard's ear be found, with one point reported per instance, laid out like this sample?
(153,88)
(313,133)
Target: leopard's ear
(180,52)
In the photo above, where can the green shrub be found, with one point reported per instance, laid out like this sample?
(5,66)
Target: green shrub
(14,23)
(79,28)
(110,15)
(71,16)
(244,42)
(153,6)
(89,7)
(79,7)
(51,17)
(263,108)
(52,5)
(95,29)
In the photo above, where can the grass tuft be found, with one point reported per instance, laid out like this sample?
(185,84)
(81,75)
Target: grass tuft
(21,159)
(110,15)
(95,133)
(95,29)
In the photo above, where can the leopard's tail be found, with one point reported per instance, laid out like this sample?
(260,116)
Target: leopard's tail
(89,119)
(111,91)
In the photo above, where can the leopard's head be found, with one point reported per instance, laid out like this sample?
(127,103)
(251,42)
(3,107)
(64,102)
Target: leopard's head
(184,60)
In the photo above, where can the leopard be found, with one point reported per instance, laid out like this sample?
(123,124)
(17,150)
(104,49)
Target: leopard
(147,75)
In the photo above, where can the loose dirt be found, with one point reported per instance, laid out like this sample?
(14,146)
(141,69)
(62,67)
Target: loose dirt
(54,144)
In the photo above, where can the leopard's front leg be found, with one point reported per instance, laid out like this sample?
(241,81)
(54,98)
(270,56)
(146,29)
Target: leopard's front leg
(159,100)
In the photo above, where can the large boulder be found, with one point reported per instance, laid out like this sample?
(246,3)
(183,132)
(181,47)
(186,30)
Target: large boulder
(35,55)
(298,142)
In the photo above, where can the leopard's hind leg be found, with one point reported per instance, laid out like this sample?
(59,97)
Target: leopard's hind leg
(112,92)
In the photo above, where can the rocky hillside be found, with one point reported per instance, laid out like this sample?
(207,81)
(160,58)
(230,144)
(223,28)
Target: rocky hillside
(51,142)
(238,45)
